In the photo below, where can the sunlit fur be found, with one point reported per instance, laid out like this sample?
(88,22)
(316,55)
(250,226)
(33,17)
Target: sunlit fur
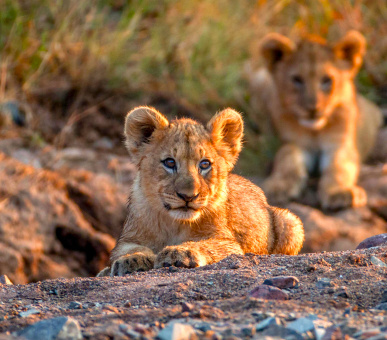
(229,214)
(322,121)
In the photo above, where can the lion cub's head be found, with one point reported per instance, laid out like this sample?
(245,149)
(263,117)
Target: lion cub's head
(313,77)
(183,165)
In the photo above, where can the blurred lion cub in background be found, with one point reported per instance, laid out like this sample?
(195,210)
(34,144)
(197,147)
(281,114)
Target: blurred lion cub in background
(324,124)
(186,209)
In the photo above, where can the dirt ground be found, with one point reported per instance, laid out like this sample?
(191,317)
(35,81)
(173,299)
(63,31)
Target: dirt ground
(335,289)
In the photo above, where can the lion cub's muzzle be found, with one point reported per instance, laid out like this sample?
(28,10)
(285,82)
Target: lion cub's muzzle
(187,198)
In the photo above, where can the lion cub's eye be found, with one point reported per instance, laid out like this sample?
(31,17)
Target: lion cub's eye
(298,81)
(169,163)
(204,164)
(326,83)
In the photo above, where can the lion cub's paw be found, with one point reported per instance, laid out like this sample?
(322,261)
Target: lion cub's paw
(336,200)
(127,264)
(281,191)
(179,256)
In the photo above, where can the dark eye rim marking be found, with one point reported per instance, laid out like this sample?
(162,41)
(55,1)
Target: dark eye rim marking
(297,80)
(205,167)
(327,81)
(169,166)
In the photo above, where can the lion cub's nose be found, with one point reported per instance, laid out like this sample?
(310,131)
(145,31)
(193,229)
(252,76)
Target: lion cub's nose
(187,198)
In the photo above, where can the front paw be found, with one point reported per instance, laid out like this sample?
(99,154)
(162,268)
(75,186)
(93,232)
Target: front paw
(344,198)
(281,191)
(127,264)
(179,256)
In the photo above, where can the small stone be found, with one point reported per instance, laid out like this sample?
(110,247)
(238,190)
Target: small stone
(302,325)
(282,333)
(5,280)
(248,331)
(177,331)
(342,292)
(127,304)
(382,306)
(173,269)
(60,328)
(204,327)
(268,293)
(384,296)
(75,305)
(29,312)
(267,323)
(333,333)
(324,283)
(282,282)
(373,241)
(368,333)
(377,262)
(187,307)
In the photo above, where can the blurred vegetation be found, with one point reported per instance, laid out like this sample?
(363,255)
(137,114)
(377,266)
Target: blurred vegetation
(189,51)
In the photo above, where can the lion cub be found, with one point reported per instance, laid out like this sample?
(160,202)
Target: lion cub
(324,124)
(185,208)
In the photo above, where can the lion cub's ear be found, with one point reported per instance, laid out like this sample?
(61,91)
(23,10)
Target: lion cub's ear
(140,123)
(226,129)
(274,47)
(351,49)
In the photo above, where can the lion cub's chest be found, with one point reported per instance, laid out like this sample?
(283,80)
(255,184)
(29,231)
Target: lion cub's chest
(168,233)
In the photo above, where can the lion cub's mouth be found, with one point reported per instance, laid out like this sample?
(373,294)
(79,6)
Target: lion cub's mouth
(184,213)
(182,208)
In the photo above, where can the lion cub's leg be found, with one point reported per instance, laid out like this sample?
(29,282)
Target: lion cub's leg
(289,175)
(337,186)
(195,254)
(128,258)
(288,232)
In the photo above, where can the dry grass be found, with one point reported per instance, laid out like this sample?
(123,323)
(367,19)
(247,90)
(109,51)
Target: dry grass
(188,50)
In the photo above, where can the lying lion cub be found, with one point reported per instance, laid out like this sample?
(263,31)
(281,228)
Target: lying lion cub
(185,208)
(324,124)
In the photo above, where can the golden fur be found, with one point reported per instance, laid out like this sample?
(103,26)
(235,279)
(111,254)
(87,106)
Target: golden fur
(190,216)
(323,122)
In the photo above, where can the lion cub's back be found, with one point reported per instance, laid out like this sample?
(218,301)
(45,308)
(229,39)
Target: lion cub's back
(249,214)
(370,120)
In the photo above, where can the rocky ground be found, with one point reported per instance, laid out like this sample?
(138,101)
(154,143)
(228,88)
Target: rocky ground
(330,295)
(62,204)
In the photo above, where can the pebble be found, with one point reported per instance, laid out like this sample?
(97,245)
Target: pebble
(373,241)
(129,331)
(302,325)
(368,333)
(333,333)
(5,280)
(75,305)
(282,282)
(382,306)
(187,307)
(204,327)
(377,262)
(29,312)
(267,323)
(248,331)
(282,333)
(342,292)
(324,283)
(56,328)
(268,293)
(177,331)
